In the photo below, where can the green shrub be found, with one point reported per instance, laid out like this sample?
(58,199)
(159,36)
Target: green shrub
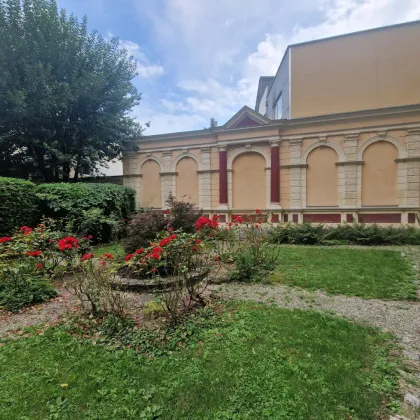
(255,258)
(95,209)
(17,204)
(356,234)
(154,309)
(182,214)
(20,286)
(143,228)
(93,221)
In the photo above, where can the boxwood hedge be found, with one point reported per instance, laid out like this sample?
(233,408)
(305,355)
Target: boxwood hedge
(17,204)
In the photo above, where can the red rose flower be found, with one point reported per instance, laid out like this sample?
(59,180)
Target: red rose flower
(108,256)
(157,249)
(139,251)
(34,253)
(195,248)
(5,239)
(171,229)
(198,241)
(68,243)
(258,211)
(87,256)
(90,237)
(25,230)
(173,236)
(39,266)
(154,269)
(103,263)
(156,255)
(128,257)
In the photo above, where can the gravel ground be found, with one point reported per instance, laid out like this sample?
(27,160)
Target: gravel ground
(52,311)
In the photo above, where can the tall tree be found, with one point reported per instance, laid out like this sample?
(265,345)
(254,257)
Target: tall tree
(65,93)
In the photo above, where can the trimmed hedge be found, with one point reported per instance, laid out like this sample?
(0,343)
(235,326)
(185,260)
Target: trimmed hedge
(96,209)
(17,204)
(65,200)
(355,234)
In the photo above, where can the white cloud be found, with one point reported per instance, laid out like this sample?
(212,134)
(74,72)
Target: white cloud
(216,54)
(145,69)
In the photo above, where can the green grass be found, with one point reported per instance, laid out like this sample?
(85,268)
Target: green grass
(114,248)
(368,273)
(266,363)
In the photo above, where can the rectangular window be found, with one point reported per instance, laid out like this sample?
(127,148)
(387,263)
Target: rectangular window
(278,108)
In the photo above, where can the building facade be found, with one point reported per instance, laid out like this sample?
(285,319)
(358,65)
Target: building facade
(325,150)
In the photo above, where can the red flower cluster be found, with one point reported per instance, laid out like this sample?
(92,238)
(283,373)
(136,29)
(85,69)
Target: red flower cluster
(39,266)
(25,230)
(258,211)
(68,243)
(34,253)
(86,238)
(128,257)
(108,256)
(5,239)
(87,256)
(139,251)
(205,222)
(167,240)
(237,219)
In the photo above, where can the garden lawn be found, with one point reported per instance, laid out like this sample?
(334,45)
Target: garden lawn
(368,273)
(114,248)
(264,363)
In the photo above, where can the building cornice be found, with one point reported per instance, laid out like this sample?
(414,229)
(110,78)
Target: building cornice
(282,125)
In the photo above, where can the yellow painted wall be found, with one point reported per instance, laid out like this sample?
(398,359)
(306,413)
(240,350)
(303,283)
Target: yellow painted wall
(249,181)
(379,175)
(363,71)
(151,195)
(322,177)
(187,180)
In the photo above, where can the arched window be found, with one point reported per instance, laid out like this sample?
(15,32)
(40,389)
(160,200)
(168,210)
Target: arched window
(249,181)
(151,195)
(379,174)
(322,177)
(187,180)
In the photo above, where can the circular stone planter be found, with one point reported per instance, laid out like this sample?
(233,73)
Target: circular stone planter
(157,285)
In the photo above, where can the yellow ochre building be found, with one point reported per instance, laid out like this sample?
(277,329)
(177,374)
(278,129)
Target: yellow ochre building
(335,136)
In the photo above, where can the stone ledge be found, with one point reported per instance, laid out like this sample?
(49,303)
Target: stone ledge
(132,176)
(168,173)
(295,165)
(408,159)
(208,171)
(350,162)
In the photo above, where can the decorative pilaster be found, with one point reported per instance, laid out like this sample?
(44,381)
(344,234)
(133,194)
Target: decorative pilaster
(223,178)
(413,168)
(204,180)
(168,178)
(275,175)
(295,173)
(132,176)
(352,191)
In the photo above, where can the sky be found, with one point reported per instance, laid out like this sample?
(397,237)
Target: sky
(199,59)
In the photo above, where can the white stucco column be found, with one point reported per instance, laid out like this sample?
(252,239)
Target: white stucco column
(168,178)
(297,174)
(350,170)
(204,181)
(413,168)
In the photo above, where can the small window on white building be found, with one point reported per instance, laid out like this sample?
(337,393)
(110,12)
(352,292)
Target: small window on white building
(278,108)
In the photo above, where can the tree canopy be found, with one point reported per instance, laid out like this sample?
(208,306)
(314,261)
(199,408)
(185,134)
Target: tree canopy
(65,93)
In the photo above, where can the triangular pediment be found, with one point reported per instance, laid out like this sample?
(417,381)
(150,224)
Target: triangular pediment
(246,117)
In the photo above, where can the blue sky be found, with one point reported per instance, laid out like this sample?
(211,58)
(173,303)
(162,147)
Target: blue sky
(202,58)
